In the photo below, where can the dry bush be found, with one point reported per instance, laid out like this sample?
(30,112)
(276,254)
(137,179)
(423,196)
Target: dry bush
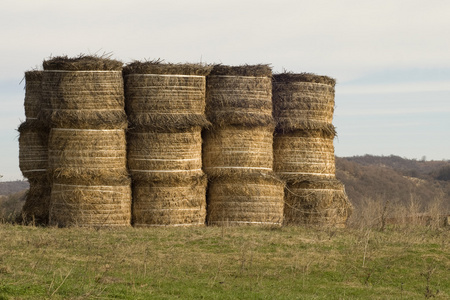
(379,213)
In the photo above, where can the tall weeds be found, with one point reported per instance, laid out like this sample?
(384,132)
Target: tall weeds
(379,213)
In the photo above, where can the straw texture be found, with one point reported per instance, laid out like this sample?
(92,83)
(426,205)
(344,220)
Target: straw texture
(157,155)
(85,99)
(36,207)
(33,150)
(85,204)
(245,200)
(231,150)
(303,154)
(33,96)
(173,202)
(160,102)
(303,102)
(165,97)
(316,202)
(239,100)
(73,152)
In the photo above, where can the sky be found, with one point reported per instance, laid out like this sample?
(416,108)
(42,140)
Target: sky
(391,58)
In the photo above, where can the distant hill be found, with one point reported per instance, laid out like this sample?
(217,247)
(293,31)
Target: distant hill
(394,178)
(10,187)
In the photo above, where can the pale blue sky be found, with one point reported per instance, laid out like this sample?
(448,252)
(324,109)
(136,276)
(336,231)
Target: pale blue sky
(391,58)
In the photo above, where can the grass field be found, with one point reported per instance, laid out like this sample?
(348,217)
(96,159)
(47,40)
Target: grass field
(224,263)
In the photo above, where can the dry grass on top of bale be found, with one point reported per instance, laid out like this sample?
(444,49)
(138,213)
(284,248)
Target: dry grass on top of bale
(304,77)
(33,94)
(261,70)
(252,199)
(302,154)
(303,101)
(320,202)
(237,150)
(159,67)
(164,101)
(83,63)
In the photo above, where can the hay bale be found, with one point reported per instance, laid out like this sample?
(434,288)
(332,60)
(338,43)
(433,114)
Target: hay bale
(172,202)
(83,203)
(37,201)
(233,149)
(33,96)
(33,149)
(93,153)
(303,102)
(300,154)
(315,201)
(165,96)
(245,200)
(85,99)
(240,95)
(158,155)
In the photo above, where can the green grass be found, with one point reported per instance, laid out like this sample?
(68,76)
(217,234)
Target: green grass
(223,263)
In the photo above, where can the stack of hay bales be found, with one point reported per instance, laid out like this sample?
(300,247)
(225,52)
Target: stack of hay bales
(304,151)
(165,104)
(33,151)
(237,151)
(87,144)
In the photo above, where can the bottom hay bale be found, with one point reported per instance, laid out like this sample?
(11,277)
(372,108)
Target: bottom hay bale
(316,202)
(170,202)
(245,200)
(85,204)
(237,149)
(37,201)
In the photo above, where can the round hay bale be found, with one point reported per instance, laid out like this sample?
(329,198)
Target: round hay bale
(303,102)
(85,99)
(316,202)
(33,149)
(37,201)
(165,96)
(233,149)
(157,155)
(239,95)
(303,154)
(33,96)
(87,152)
(85,204)
(172,202)
(245,200)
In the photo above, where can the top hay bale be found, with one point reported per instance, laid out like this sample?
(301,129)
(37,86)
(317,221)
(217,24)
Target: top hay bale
(303,101)
(165,97)
(33,95)
(85,92)
(239,95)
